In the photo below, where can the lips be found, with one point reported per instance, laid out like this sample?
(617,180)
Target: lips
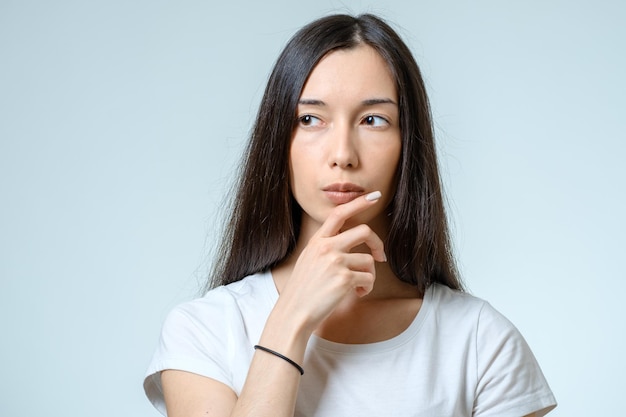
(341,193)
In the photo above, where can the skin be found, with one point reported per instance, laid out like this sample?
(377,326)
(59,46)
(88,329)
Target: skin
(348,132)
(336,283)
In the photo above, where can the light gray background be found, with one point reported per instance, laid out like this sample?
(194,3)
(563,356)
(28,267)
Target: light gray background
(121,123)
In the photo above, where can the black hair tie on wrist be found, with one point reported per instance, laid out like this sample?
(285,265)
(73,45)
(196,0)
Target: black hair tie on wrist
(283,357)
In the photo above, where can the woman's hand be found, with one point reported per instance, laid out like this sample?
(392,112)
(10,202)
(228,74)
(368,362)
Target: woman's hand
(326,271)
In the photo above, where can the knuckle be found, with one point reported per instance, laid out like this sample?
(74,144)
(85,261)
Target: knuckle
(324,248)
(366,232)
(344,276)
(336,259)
(363,228)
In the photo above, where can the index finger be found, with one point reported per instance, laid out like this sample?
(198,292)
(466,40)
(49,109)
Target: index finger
(343,212)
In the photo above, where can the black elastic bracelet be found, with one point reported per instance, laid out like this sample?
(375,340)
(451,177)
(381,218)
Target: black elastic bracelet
(263,348)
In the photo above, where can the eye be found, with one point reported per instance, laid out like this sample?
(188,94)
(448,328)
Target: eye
(375,121)
(308,120)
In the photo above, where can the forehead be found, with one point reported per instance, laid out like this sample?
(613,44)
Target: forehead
(359,72)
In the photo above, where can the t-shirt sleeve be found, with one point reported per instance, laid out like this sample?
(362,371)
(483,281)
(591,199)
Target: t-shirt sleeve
(510,381)
(195,338)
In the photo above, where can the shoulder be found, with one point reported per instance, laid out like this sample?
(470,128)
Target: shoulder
(508,378)
(480,320)
(459,305)
(211,336)
(223,304)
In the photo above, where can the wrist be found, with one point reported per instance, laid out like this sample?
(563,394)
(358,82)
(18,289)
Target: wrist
(286,334)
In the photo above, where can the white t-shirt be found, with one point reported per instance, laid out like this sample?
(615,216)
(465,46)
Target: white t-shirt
(459,357)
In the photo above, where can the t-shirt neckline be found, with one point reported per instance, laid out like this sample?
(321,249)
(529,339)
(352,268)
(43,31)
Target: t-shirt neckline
(405,336)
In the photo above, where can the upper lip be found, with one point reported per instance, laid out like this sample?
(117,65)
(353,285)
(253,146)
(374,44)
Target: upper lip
(344,187)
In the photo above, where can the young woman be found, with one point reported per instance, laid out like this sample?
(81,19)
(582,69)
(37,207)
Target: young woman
(336,293)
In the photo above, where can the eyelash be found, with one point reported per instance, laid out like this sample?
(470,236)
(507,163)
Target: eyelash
(303,119)
(374,116)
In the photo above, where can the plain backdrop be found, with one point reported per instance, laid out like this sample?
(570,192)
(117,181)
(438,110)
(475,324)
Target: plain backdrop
(122,122)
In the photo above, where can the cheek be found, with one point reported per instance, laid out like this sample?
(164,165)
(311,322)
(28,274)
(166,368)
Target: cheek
(390,162)
(390,166)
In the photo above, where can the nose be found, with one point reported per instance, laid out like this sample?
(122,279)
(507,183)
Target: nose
(342,152)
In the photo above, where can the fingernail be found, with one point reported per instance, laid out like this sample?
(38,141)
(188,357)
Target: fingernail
(375,195)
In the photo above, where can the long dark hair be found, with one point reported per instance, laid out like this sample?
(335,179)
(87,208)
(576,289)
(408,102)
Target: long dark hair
(264,223)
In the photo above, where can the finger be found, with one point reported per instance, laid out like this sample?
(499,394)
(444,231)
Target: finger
(343,212)
(363,282)
(362,234)
(363,262)
(350,280)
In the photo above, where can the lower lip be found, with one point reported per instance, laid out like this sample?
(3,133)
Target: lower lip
(341,197)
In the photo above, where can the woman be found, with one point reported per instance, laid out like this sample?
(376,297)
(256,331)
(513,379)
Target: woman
(336,293)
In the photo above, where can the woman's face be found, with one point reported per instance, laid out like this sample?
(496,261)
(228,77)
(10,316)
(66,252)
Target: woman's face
(347,139)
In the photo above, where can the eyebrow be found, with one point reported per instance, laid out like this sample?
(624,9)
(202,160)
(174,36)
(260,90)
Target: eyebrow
(367,102)
(374,101)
